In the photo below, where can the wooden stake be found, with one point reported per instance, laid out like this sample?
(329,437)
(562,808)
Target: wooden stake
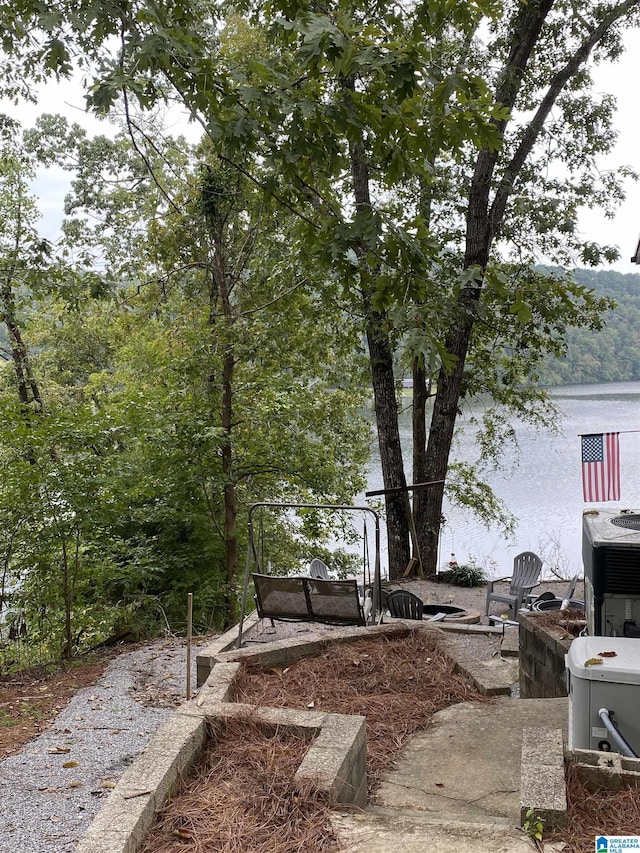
(189,628)
(412,566)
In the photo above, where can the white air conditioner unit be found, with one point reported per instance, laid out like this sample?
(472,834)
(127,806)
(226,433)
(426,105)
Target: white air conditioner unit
(604,697)
(611,559)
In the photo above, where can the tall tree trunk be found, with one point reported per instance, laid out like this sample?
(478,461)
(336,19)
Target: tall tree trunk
(443,421)
(484,220)
(28,390)
(391,460)
(383,382)
(421,394)
(230,533)
(481,229)
(67,649)
(230,501)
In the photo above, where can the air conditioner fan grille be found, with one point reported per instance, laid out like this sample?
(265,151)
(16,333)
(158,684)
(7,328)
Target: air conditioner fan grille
(630,521)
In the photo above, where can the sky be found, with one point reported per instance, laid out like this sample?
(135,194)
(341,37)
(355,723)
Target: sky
(619,79)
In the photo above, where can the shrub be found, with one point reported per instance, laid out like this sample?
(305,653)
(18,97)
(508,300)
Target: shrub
(467,574)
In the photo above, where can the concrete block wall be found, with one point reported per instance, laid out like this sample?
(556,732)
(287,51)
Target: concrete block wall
(542,653)
(608,770)
(336,762)
(125,819)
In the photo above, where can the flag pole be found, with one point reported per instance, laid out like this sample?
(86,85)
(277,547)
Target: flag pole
(619,431)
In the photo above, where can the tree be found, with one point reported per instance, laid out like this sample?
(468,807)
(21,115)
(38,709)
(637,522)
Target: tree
(28,270)
(243,355)
(115,476)
(350,103)
(533,32)
(327,83)
(23,256)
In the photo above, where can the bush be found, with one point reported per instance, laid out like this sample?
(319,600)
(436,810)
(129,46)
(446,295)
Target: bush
(468,574)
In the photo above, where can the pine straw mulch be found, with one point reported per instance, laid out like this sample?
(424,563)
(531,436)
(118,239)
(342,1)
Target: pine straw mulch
(396,681)
(569,621)
(240,798)
(591,814)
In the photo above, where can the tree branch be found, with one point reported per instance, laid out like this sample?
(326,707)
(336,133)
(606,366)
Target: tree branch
(534,128)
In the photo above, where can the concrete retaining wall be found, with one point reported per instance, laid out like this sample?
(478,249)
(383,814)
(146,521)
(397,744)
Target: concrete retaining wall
(335,761)
(125,819)
(542,667)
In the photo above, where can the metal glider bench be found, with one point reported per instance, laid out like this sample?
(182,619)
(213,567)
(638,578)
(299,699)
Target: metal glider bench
(306,599)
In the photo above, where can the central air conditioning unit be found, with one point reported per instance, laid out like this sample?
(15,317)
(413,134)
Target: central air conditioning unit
(603,683)
(611,559)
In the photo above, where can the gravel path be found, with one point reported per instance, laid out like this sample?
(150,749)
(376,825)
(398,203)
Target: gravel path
(45,806)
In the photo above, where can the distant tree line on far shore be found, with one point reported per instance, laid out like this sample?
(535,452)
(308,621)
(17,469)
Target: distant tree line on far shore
(611,354)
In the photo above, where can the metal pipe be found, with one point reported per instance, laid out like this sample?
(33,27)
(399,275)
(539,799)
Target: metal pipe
(189,635)
(620,742)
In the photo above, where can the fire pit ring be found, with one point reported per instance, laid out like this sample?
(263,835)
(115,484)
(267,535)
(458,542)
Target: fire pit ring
(452,613)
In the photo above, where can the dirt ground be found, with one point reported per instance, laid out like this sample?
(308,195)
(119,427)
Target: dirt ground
(30,700)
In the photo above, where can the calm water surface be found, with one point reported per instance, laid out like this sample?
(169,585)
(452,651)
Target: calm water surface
(541,484)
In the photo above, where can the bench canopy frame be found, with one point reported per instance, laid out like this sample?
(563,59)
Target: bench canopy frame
(306,599)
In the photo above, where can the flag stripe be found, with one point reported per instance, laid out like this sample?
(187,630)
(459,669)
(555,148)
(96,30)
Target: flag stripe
(613,455)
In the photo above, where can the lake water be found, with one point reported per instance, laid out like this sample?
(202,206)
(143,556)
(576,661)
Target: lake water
(541,484)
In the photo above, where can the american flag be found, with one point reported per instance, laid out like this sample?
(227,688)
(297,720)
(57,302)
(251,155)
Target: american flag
(601,467)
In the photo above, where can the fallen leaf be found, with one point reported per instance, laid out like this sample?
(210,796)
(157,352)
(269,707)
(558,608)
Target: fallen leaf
(608,654)
(48,790)
(133,794)
(59,750)
(183,834)
(75,784)
(68,764)
(107,783)
(593,661)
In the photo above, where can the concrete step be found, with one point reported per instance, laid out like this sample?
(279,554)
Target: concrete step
(391,831)
(494,677)
(467,764)
(511,642)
